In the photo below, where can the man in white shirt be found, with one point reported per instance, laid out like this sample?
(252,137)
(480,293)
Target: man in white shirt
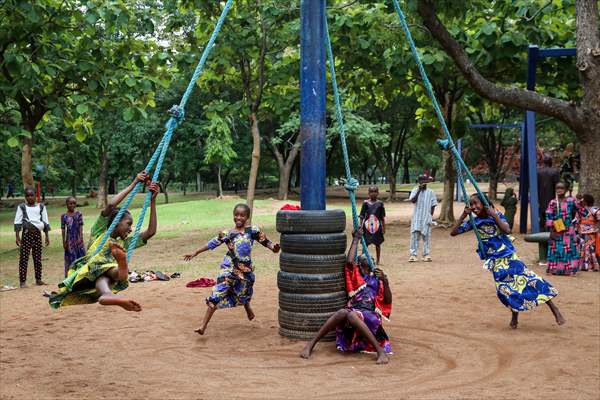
(31,218)
(425,201)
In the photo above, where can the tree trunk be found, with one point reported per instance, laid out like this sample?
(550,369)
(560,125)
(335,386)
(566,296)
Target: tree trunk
(405,170)
(590,162)
(284,179)
(102,198)
(493,189)
(198,182)
(447,210)
(219,182)
(254,164)
(26,161)
(392,181)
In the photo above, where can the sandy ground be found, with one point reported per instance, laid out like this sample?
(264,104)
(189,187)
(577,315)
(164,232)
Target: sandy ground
(449,334)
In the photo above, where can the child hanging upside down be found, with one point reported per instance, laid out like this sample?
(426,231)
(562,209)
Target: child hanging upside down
(99,278)
(236,279)
(517,287)
(358,326)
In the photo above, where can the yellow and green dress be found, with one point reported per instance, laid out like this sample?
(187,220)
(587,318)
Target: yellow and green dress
(517,287)
(79,287)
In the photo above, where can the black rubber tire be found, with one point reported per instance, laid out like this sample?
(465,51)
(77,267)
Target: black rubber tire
(302,321)
(303,335)
(324,244)
(312,303)
(310,283)
(312,264)
(318,221)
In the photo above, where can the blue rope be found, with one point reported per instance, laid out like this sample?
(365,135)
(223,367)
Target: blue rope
(351,182)
(448,143)
(177,113)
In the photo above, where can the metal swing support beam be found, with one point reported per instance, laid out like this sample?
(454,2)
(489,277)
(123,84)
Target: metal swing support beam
(528,185)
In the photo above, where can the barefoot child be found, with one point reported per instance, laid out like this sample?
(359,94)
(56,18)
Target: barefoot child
(372,216)
(358,326)
(235,281)
(32,219)
(99,278)
(71,224)
(517,287)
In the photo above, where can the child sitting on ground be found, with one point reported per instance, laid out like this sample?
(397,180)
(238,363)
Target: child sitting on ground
(358,326)
(97,278)
(235,281)
(517,287)
(32,219)
(372,216)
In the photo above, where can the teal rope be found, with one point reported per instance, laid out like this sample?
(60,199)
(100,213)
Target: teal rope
(436,106)
(448,143)
(351,182)
(177,115)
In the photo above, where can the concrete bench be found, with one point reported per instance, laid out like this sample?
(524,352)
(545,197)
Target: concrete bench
(541,238)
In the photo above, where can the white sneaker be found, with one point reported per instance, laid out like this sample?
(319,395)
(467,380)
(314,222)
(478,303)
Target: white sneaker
(412,259)
(427,259)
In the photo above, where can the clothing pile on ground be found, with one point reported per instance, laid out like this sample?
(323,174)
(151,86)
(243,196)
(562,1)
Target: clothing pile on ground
(147,276)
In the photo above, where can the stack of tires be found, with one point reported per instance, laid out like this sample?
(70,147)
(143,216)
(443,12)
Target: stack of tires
(311,277)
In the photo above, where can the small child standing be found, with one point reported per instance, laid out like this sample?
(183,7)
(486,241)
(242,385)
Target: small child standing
(235,281)
(71,224)
(32,219)
(420,228)
(590,238)
(372,216)
(509,202)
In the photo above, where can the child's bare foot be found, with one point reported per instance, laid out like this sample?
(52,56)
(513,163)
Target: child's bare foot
(118,252)
(40,282)
(306,352)
(127,304)
(382,358)
(200,331)
(22,285)
(560,320)
(249,312)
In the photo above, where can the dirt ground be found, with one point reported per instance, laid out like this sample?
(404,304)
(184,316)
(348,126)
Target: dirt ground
(449,334)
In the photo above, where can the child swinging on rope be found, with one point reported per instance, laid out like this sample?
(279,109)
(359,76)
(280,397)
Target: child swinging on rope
(98,278)
(358,326)
(517,287)
(236,279)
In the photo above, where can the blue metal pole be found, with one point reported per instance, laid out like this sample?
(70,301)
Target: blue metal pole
(312,104)
(532,171)
(523,181)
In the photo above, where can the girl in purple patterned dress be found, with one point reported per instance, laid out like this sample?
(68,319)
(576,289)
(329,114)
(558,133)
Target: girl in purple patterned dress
(71,224)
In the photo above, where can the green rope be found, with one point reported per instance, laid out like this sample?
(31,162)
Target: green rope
(351,182)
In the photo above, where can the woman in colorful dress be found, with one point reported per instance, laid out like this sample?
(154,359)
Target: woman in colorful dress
(98,278)
(563,254)
(518,288)
(359,325)
(588,232)
(71,224)
(372,216)
(235,281)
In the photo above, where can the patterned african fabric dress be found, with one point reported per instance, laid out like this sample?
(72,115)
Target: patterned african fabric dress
(367,300)
(373,214)
(563,254)
(590,239)
(235,280)
(79,287)
(517,287)
(72,224)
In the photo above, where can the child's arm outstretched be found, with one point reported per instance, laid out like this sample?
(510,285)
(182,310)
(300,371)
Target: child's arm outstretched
(212,244)
(356,236)
(262,239)
(119,197)
(151,231)
(456,230)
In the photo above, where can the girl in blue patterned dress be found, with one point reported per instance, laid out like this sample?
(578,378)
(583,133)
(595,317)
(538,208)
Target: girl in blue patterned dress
(517,287)
(236,279)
